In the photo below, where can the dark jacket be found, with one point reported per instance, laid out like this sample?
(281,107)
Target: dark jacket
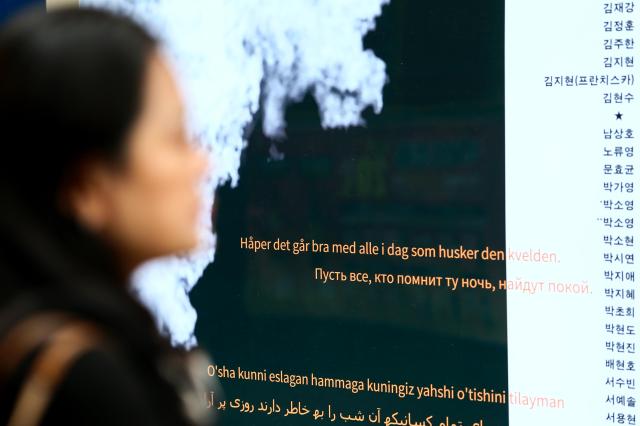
(47,263)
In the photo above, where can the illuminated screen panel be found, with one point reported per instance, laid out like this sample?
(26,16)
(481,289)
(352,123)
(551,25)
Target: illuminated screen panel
(571,223)
(423,211)
(360,213)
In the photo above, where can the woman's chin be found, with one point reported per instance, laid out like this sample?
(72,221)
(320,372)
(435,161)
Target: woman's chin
(190,243)
(179,246)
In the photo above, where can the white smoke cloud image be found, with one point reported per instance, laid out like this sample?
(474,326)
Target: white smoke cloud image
(235,58)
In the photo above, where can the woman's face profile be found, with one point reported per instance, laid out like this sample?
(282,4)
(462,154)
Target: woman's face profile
(149,207)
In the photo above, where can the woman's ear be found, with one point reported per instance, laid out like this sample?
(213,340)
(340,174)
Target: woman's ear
(84,196)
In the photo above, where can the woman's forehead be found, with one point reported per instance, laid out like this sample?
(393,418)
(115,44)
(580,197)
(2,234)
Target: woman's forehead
(162,90)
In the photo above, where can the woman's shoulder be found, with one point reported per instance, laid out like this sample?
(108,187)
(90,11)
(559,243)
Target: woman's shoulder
(91,377)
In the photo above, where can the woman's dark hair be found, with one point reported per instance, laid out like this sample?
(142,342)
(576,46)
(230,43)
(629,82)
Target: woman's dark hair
(71,84)
(71,87)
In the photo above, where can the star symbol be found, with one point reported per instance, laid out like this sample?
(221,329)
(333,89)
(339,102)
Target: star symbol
(619,116)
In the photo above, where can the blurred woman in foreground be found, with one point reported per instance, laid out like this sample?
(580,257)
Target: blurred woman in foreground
(97,177)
